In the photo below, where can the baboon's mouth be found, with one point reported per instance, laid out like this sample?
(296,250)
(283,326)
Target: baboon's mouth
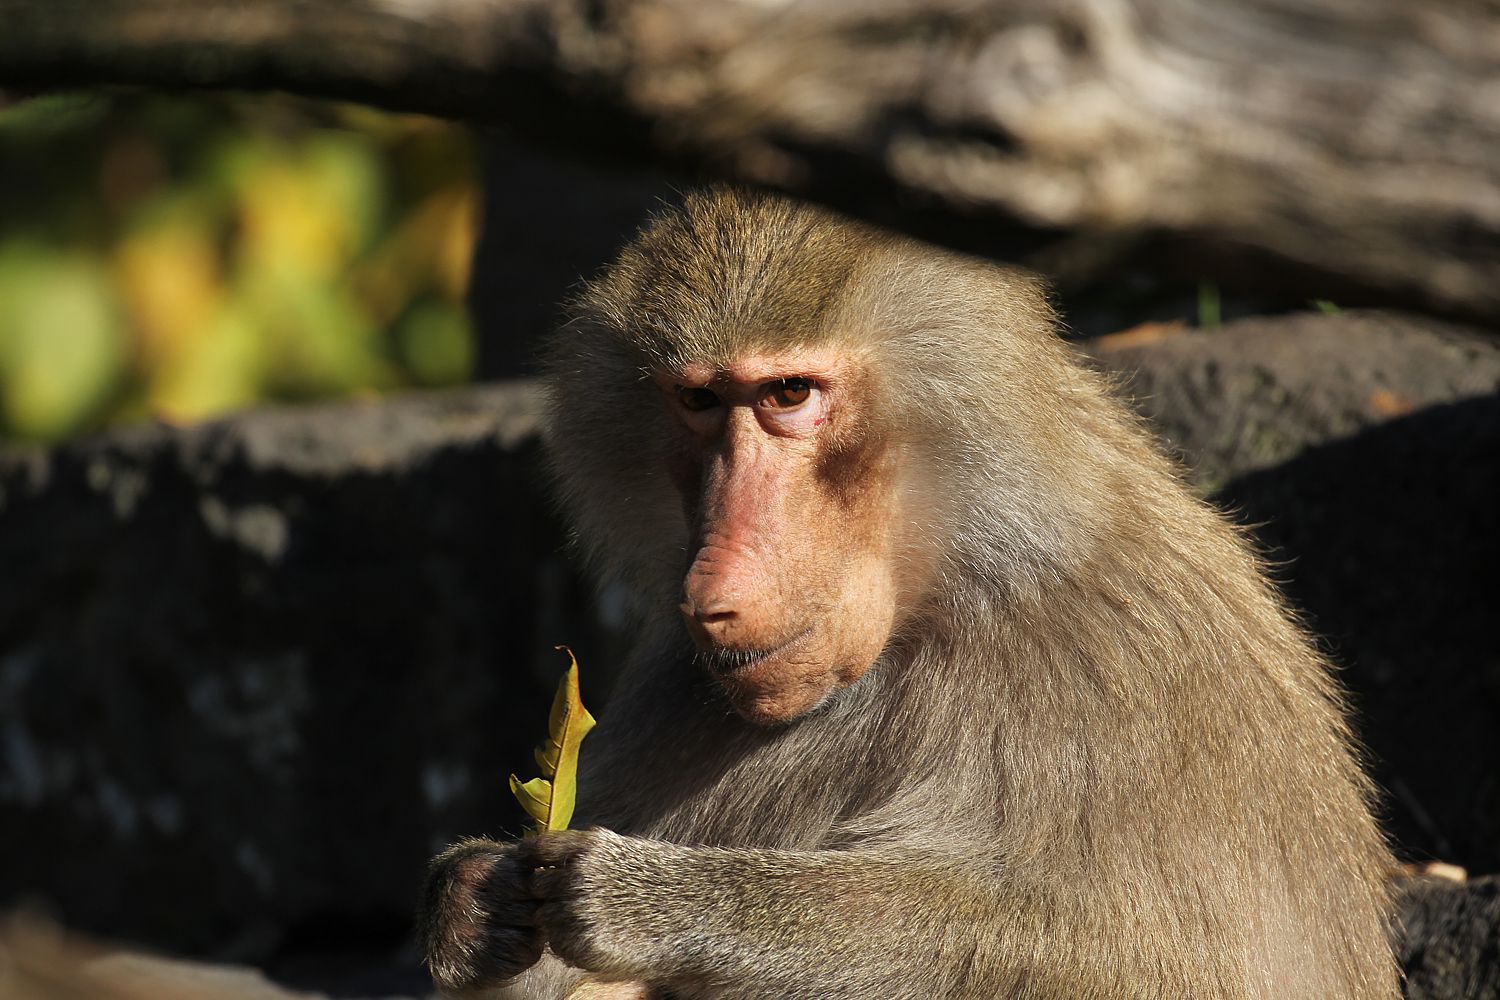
(726,662)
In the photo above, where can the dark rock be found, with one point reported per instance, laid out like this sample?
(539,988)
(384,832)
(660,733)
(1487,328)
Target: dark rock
(1449,938)
(1258,392)
(1364,449)
(253,673)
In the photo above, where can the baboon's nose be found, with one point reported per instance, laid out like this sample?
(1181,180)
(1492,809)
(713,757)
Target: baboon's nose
(709,622)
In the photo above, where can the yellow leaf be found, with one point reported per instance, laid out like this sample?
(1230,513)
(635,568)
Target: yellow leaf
(535,796)
(550,799)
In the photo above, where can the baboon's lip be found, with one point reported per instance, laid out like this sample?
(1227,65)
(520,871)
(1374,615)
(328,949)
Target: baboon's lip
(739,662)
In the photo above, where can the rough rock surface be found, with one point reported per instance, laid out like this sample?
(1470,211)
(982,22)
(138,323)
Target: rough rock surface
(1450,938)
(1365,448)
(252,673)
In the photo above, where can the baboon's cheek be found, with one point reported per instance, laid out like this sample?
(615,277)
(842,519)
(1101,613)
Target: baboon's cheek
(861,632)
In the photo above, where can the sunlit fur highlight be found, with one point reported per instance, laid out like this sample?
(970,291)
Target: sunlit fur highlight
(1098,759)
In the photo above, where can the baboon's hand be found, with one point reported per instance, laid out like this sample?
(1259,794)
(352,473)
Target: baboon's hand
(479,916)
(605,904)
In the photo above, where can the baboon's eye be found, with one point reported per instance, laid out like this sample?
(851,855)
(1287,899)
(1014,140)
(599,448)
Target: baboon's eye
(697,399)
(787,393)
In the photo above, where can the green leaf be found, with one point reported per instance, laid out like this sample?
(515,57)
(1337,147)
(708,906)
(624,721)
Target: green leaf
(550,799)
(1210,309)
(61,349)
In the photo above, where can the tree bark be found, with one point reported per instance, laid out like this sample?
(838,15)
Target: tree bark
(1356,139)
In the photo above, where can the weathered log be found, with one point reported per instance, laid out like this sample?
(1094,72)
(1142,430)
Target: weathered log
(1357,141)
(39,961)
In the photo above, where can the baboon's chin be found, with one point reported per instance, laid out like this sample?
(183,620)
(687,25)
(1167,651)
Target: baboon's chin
(779,706)
(771,687)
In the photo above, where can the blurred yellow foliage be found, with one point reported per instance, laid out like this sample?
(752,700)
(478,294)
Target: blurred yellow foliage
(179,257)
(171,280)
(302,210)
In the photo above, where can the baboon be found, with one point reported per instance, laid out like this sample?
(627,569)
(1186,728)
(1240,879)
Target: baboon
(946,685)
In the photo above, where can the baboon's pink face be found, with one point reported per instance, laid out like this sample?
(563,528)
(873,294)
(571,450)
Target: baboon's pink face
(791,591)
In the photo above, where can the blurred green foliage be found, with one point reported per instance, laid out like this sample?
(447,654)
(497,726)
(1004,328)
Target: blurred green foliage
(179,256)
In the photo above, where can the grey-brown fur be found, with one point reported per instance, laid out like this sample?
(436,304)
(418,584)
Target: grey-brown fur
(1097,760)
